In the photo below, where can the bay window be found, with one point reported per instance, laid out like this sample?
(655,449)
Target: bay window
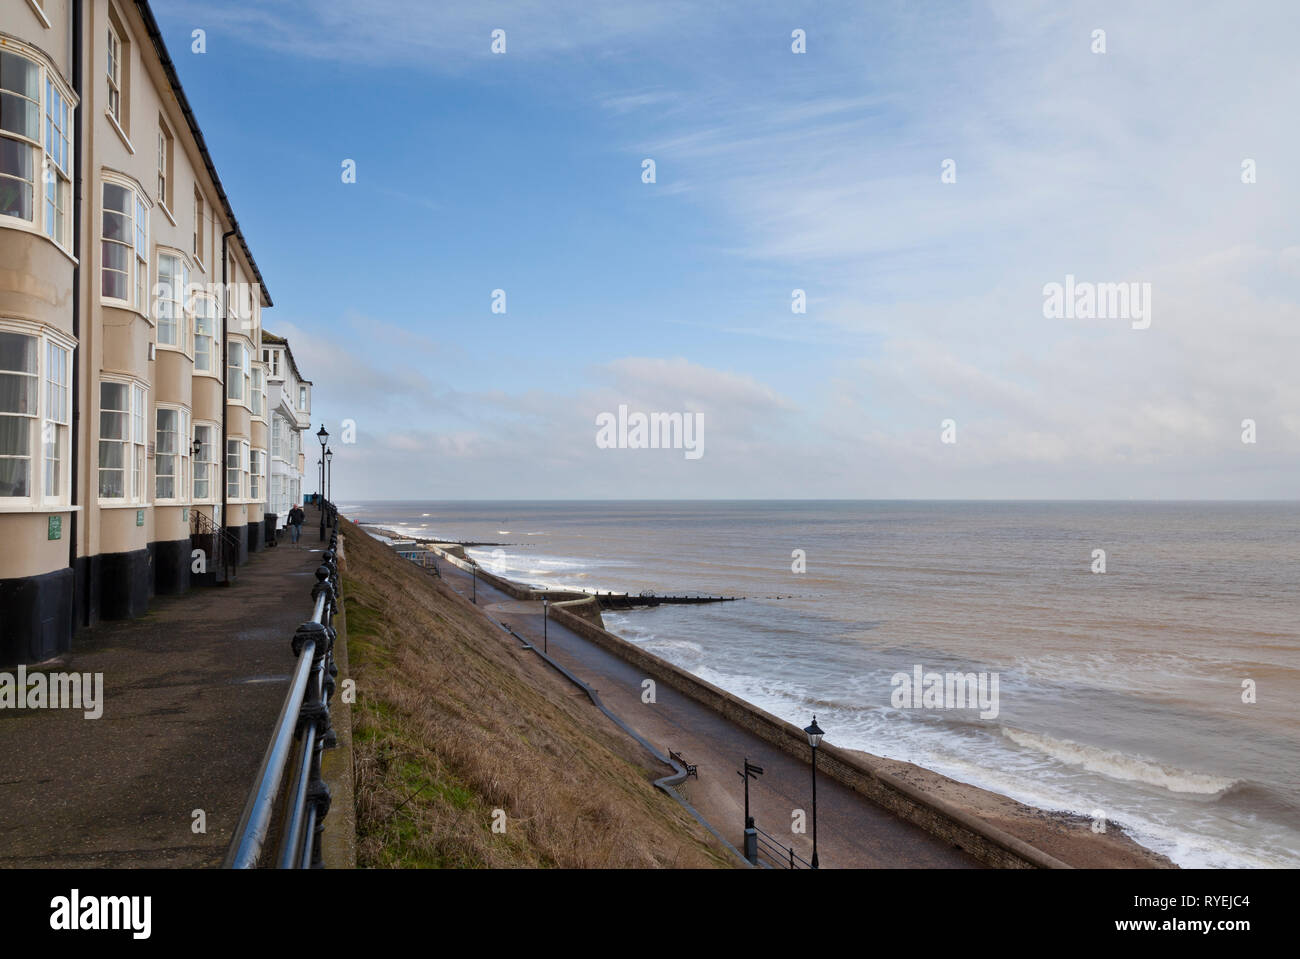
(35,127)
(122,441)
(141,253)
(125,246)
(34,394)
(206,335)
(238,373)
(259,386)
(57,165)
(172,454)
(235,371)
(205,461)
(169,303)
(57,419)
(256,473)
(237,468)
(19,382)
(20,134)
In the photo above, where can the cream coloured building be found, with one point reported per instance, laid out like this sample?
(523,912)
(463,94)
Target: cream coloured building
(133,391)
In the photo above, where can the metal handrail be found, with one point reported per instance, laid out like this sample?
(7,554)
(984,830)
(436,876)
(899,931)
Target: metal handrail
(224,547)
(302,732)
(769,844)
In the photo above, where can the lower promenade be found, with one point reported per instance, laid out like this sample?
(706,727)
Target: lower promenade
(191,692)
(852,831)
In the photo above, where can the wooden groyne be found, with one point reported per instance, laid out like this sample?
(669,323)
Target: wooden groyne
(631,601)
(424,553)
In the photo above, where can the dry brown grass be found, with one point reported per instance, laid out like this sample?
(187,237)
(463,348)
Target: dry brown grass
(453,721)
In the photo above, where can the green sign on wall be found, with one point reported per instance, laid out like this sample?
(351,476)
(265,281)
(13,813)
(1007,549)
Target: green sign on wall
(56,528)
(139,517)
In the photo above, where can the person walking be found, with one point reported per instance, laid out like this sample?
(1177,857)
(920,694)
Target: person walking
(296,516)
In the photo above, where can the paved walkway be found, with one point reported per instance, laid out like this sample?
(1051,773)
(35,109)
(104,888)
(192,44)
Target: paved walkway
(851,831)
(191,693)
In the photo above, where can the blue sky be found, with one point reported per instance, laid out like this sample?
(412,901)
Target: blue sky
(775,171)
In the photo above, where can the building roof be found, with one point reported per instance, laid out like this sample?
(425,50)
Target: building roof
(170,69)
(269,337)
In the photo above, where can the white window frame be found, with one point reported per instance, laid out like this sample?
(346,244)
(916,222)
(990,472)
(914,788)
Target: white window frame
(136,243)
(207,456)
(45,422)
(113,61)
(204,309)
(199,232)
(175,300)
(242,376)
(240,469)
(257,475)
(56,200)
(135,468)
(257,395)
(166,189)
(180,475)
(51,180)
(56,421)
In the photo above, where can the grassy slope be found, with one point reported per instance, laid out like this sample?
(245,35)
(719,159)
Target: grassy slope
(452,721)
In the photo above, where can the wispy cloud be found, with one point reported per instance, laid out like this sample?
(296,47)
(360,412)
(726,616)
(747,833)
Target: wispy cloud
(823,171)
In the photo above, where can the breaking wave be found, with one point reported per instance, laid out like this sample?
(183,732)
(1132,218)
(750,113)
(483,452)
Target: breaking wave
(1121,765)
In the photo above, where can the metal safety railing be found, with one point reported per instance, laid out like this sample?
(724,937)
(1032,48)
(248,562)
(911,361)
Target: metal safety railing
(302,732)
(783,857)
(219,543)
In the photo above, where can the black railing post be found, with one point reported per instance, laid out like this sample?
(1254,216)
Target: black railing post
(316,712)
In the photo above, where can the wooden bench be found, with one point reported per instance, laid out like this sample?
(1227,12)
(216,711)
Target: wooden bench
(691,769)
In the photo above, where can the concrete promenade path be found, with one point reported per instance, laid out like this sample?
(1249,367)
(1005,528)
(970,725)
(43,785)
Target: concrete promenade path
(191,692)
(852,832)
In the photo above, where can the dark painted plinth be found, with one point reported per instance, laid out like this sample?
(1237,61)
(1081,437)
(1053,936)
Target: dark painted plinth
(171,567)
(125,583)
(35,617)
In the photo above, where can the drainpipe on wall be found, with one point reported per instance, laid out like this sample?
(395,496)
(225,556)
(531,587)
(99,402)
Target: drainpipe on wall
(80,614)
(225,372)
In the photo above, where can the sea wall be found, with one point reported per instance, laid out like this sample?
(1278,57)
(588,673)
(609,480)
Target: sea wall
(577,603)
(990,845)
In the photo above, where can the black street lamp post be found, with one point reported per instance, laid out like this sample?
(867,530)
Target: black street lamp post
(329,474)
(815,734)
(323,435)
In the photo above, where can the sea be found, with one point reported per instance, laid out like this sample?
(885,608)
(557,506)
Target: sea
(1147,654)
